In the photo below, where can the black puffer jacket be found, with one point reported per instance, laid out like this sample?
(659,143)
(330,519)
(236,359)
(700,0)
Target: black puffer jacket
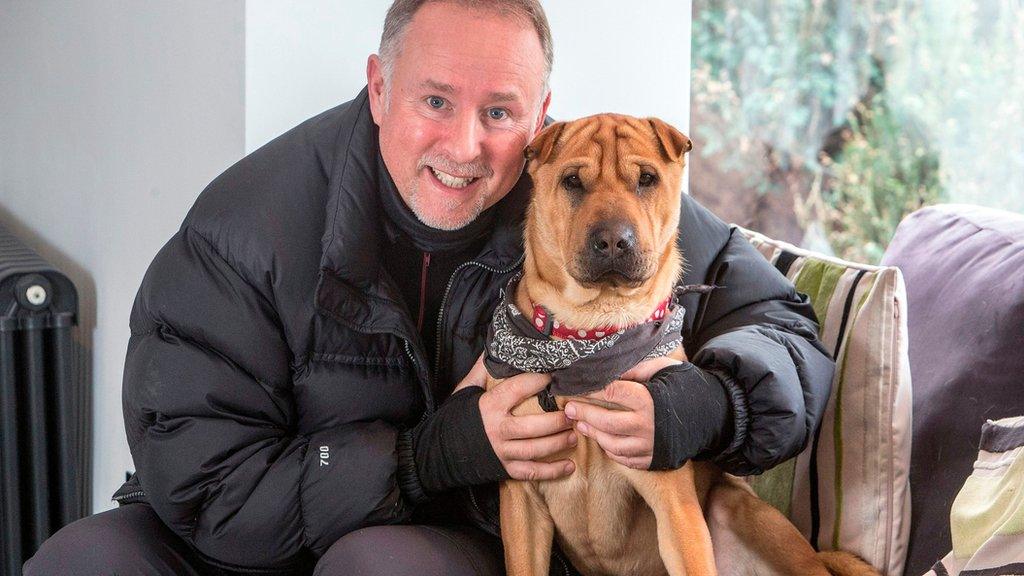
(272,364)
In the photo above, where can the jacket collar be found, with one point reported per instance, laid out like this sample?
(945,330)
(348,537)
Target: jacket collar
(353,287)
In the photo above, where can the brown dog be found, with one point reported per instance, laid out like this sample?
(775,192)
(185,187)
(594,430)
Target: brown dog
(601,251)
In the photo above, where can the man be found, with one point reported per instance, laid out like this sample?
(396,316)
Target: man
(288,389)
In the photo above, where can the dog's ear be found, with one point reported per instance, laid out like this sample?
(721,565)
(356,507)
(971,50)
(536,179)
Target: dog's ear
(544,144)
(673,142)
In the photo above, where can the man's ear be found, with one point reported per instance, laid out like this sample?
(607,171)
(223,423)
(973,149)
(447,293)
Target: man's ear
(543,146)
(375,86)
(543,114)
(673,142)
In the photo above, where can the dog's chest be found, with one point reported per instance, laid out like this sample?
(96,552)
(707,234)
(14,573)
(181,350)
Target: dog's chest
(601,522)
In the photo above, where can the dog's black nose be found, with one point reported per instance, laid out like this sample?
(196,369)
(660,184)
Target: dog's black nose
(612,239)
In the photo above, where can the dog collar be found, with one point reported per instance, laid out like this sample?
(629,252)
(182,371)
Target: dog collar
(545,322)
(515,345)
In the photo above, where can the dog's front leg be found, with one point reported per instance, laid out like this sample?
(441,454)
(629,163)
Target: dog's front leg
(526,530)
(684,541)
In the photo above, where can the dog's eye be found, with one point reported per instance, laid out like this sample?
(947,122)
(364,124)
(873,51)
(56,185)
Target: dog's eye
(647,179)
(572,182)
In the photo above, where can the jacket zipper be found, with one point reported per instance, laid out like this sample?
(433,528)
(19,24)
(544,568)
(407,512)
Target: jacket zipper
(428,395)
(129,496)
(444,300)
(440,342)
(423,290)
(440,327)
(472,499)
(135,494)
(437,362)
(561,560)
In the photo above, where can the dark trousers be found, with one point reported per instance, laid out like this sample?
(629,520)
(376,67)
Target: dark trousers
(132,540)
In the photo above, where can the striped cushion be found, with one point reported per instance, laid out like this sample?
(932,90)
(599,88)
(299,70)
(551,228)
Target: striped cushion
(987,519)
(849,489)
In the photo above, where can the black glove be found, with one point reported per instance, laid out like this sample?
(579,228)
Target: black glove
(693,414)
(449,449)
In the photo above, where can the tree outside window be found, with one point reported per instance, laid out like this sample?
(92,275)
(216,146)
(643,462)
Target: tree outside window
(824,123)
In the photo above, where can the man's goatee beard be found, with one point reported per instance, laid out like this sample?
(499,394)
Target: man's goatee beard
(447,221)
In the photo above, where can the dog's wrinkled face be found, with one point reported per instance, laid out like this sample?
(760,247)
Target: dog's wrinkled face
(613,185)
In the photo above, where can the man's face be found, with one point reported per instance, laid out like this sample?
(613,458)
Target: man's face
(465,100)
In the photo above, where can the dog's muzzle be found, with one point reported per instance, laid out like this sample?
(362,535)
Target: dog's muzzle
(611,254)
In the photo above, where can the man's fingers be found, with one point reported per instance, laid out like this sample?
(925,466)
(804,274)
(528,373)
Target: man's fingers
(635,462)
(643,371)
(539,448)
(533,425)
(624,446)
(621,422)
(512,391)
(523,470)
(625,393)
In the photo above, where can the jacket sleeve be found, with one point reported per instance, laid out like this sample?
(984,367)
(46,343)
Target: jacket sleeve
(212,421)
(448,449)
(758,335)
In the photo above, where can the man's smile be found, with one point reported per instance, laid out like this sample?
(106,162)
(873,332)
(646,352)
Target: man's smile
(451,180)
(460,186)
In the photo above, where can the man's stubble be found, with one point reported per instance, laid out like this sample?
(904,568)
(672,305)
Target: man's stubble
(451,219)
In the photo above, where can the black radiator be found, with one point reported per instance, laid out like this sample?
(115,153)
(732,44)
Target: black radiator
(43,456)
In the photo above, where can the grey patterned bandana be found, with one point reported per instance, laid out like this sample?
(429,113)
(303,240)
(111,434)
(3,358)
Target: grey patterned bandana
(514,345)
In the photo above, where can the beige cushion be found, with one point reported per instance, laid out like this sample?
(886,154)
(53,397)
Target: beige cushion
(849,489)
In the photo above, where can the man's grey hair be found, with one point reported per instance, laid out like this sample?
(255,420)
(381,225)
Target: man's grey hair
(402,12)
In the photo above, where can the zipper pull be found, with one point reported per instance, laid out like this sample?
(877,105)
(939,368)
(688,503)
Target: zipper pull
(423,291)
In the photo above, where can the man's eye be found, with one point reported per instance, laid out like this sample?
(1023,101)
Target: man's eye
(497,113)
(572,182)
(435,102)
(647,179)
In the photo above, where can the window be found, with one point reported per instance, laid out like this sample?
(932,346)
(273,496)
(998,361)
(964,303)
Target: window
(823,123)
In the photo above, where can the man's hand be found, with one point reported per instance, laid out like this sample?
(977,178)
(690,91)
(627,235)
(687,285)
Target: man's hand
(523,442)
(626,435)
(477,376)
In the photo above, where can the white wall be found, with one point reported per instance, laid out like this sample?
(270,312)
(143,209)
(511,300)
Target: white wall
(113,117)
(613,58)
(302,58)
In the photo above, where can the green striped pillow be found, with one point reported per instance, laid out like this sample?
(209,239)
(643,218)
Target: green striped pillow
(987,518)
(849,489)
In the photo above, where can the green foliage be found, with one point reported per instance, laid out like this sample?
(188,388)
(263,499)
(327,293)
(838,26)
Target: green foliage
(885,172)
(777,78)
(960,71)
(778,74)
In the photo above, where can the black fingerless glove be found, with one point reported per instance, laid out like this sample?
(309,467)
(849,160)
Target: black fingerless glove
(693,415)
(449,449)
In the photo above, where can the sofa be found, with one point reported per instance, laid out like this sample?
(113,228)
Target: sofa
(929,346)
(964,272)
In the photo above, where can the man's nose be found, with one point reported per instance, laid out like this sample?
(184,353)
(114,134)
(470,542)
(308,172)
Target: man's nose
(465,139)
